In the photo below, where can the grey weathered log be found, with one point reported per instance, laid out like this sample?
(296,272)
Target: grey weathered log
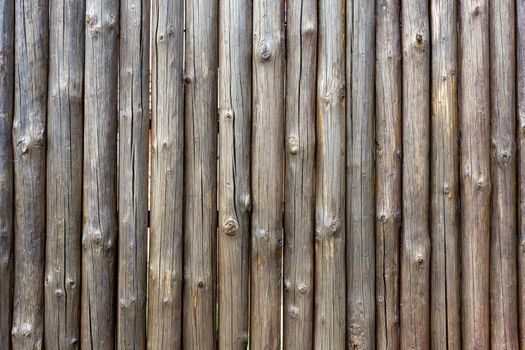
(299,219)
(267,173)
(133,173)
(330,229)
(360,194)
(235,96)
(520,76)
(99,236)
(503,278)
(415,234)
(7,94)
(29,144)
(388,172)
(444,186)
(65,123)
(474,109)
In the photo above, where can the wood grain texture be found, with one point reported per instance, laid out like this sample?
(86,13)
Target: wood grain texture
(31,63)
(133,173)
(520,77)
(235,96)
(415,234)
(444,184)
(301,43)
(99,236)
(474,109)
(330,229)
(65,123)
(164,329)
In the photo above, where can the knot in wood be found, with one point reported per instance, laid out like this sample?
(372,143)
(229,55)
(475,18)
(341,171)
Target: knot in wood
(419,38)
(420,260)
(293,145)
(294,311)
(230,226)
(302,288)
(200,284)
(265,52)
(476,12)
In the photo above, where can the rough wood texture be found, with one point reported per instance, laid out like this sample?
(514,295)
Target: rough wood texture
(235,95)
(360,195)
(200,169)
(503,279)
(474,109)
(520,42)
(445,264)
(329,318)
(7,92)
(64,174)
(99,236)
(267,173)
(415,235)
(388,173)
(31,63)
(167,177)
(301,42)
(133,173)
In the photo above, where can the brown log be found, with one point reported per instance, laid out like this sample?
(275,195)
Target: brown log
(520,75)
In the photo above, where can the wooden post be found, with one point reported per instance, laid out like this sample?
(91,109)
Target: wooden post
(520,70)
(474,109)
(503,279)
(99,236)
(31,63)
(415,250)
(133,173)
(235,96)
(64,174)
(388,173)
(330,285)
(301,42)
(267,173)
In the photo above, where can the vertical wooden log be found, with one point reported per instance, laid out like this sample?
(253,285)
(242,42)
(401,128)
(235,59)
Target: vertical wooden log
(7,92)
(64,174)
(444,186)
(100,174)
(388,173)
(415,250)
(360,195)
(267,173)
(167,177)
(330,296)
(503,279)
(133,173)
(235,95)
(200,166)
(301,42)
(31,63)
(474,109)
(520,70)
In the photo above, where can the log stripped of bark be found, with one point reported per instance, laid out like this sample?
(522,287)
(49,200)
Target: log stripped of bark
(99,236)
(301,42)
(133,173)
(167,177)
(474,109)
(267,173)
(64,174)
(520,69)
(235,95)
(415,235)
(31,63)
(330,285)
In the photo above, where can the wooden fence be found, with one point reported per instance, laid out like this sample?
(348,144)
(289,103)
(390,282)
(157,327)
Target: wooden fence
(303,174)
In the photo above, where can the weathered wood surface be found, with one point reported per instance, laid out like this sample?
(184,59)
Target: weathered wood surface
(167,150)
(235,95)
(31,63)
(415,235)
(520,75)
(65,124)
(267,173)
(133,173)
(7,91)
(474,109)
(299,224)
(99,236)
(444,186)
(388,173)
(503,279)
(330,281)
(360,195)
